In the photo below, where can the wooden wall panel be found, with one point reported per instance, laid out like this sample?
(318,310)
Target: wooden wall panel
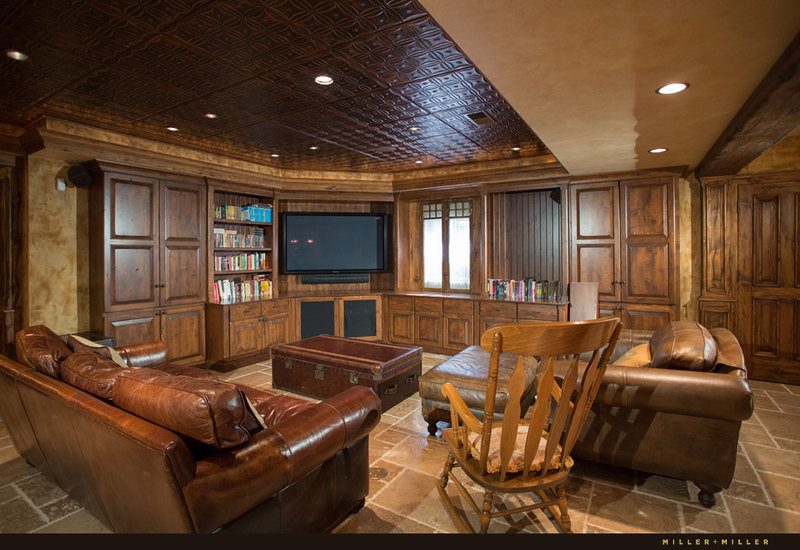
(716,271)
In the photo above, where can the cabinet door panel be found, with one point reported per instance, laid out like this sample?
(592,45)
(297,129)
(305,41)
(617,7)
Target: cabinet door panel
(133,204)
(647,267)
(183,329)
(598,263)
(401,327)
(132,277)
(457,332)
(183,243)
(646,319)
(246,336)
(277,329)
(428,329)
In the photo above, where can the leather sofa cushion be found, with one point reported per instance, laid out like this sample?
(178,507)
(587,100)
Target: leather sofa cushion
(77,343)
(41,348)
(685,345)
(91,372)
(638,356)
(212,412)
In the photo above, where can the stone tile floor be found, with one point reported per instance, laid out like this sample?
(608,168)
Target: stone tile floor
(405,461)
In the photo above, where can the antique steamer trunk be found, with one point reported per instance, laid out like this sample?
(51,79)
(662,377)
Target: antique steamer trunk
(325,365)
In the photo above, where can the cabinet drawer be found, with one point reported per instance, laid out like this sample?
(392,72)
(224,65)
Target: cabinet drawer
(536,312)
(400,302)
(499,309)
(272,307)
(428,304)
(245,311)
(458,306)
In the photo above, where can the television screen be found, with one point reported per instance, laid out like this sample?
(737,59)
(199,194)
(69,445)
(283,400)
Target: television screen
(334,242)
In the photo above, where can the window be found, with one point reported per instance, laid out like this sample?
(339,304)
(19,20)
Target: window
(446,234)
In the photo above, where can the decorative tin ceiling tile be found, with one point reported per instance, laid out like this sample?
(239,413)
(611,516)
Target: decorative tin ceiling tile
(136,67)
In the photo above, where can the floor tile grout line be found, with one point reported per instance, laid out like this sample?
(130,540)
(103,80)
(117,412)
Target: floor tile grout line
(30,503)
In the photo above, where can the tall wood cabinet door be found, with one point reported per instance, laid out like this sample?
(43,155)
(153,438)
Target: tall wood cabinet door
(458,330)
(595,237)
(133,327)
(769,280)
(131,208)
(183,329)
(183,241)
(646,251)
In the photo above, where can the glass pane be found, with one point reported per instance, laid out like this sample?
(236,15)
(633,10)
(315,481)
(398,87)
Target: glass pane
(432,252)
(459,253)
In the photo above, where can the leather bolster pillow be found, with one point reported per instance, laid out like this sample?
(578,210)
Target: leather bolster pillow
(91,372)
(42,349)
(213,412)
(684,345)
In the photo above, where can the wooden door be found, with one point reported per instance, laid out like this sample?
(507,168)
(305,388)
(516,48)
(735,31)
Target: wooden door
(768,324)
(646,254)
(595,237)
(277,329)
(246,336)
(183,242)
(131,256)
(183,330)
(428,329)
(400,319)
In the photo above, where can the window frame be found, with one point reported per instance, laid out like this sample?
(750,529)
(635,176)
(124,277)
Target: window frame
(445,217)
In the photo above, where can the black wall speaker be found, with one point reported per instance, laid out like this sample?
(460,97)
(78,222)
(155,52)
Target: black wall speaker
(79,176)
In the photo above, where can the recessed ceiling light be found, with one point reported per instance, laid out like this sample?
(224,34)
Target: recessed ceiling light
(658,150)
(16,55)
(516,148)
(313,147)
(324,80)
(417,162)
(672,88)
(210,115)
(172,128)
(413,128)
(274,155)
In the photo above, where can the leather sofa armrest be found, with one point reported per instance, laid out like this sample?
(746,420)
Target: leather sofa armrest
(146,354)
(707,394)
(230,483)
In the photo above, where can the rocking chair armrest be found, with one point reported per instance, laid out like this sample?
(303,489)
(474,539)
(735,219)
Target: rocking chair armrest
(460,408)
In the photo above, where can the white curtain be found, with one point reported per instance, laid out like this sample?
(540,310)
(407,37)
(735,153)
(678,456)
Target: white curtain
(459,253)
(432,252)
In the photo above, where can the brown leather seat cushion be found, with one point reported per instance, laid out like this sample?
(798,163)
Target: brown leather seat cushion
(212,412)
(683,345)
(91,372)
(41,348)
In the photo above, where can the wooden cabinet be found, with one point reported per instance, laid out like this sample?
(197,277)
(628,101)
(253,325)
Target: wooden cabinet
(147,269)
(623,237)
(441,324)
(10,254)
(244,332)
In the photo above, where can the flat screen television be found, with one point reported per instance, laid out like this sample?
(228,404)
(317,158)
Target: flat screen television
(315,242)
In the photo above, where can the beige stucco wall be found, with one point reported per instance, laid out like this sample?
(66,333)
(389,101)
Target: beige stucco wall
(56,287)
(784,155)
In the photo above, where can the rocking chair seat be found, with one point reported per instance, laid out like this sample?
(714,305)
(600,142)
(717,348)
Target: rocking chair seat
(518,456)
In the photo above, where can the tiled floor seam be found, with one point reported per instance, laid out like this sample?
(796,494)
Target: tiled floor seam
(30,503)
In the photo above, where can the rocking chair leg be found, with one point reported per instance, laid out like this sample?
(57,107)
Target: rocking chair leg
(565,522)
(448,465)
(487,508)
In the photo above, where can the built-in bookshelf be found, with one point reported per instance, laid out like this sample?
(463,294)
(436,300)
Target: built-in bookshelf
(242,242)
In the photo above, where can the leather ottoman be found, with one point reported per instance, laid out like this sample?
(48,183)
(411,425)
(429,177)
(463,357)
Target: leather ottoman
(322,366)
(468,371)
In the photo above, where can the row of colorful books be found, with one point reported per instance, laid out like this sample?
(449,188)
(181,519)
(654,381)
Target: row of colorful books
(241,262)
(527,290)
(247,237)
(232,291)
(253,213)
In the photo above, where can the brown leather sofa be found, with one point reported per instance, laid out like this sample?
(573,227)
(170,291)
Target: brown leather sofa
(151,447)
(672,403)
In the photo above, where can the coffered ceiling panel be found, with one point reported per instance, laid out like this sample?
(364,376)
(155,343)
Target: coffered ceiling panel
(140,67)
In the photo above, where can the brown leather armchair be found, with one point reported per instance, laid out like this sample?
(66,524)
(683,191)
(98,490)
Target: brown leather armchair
(170,449)
(672,405)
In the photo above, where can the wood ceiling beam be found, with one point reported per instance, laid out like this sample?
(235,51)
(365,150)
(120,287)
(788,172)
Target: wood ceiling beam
(770,113)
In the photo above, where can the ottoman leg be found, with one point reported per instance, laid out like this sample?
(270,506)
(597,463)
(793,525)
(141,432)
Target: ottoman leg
(432,427)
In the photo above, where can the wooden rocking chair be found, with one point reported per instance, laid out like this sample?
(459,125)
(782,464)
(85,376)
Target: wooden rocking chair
(530,455)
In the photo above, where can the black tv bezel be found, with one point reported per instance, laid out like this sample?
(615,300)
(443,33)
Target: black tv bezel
(386,231)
